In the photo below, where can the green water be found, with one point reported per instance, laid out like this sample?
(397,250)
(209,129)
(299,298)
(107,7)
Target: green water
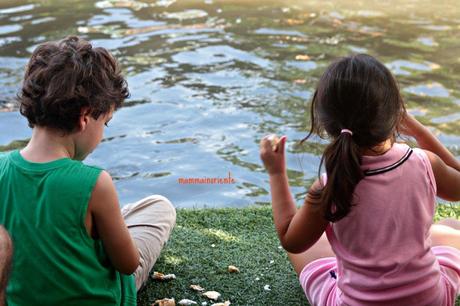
(210,78)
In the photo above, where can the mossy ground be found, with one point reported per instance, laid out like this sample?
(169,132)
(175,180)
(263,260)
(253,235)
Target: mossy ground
(206,241)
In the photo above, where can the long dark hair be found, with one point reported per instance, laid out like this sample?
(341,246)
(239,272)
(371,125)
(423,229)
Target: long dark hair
(360,94)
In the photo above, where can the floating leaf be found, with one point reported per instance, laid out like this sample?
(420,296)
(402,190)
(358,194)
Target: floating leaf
(302,57)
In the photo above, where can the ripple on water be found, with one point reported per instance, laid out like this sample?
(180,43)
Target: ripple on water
(224,78)
(7,29)
(433,27)
(267,31)
(9,40)
(447,119)
(428,90)
(427,41)
(369,13)
(42,20)
(404,67)
(302,65)
(356,49)
(17,9)
(185,15)
(135,5)
(218,54)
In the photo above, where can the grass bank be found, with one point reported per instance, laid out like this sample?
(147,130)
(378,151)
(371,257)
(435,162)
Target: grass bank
(206,241)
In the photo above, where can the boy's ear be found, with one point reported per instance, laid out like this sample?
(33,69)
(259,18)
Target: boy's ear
(84,118)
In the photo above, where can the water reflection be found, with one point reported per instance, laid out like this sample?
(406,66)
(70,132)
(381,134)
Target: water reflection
(210,78)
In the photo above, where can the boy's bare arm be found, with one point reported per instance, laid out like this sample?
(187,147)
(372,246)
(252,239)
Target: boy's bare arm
(111,227)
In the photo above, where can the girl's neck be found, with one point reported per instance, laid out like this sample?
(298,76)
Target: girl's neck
(379,149)
(48,145)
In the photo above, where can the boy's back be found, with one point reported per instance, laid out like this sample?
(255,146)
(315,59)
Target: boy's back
(43,206)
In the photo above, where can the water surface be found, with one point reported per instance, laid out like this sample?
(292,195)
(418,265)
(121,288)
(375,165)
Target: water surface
(210,78)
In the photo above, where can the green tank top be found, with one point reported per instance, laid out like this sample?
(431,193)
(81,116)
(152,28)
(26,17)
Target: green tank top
(55,262)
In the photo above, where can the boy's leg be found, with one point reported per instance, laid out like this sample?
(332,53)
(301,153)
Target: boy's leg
(446,232)
(150,222)
(320,249)
(6,253)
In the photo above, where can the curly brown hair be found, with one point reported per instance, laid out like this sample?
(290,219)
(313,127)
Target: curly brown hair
(65,76)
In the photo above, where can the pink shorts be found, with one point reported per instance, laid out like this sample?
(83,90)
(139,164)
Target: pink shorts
(319,278)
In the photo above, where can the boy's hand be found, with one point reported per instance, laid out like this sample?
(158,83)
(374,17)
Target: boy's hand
(272,154)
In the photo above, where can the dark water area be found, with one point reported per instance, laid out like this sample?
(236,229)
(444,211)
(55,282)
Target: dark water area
(209,78)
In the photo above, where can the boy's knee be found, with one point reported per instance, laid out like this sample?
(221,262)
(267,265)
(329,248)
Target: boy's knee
(168,208)
(164,207)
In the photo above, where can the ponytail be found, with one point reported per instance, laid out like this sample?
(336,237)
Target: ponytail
(360,93)
(342,159)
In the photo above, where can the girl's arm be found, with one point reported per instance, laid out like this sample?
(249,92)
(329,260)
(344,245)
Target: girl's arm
(299,229)
(446,167)
(111,227)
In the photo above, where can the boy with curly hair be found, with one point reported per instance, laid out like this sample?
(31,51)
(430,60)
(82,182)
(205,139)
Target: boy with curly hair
(73,244)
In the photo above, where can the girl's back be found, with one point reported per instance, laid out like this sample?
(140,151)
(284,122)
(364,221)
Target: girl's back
(382,246)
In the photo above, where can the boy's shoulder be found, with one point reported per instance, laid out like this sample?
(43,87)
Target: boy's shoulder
(85,168)
(4,156)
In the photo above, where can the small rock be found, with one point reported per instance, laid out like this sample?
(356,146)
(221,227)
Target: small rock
(212,295)
(164,302)
(233,269)
(163,277)
(187,302)
(197,287)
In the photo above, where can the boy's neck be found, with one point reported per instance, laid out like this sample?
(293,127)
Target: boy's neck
(47,145)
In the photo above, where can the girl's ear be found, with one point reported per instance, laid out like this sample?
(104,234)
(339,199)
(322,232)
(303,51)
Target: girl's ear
(83,119)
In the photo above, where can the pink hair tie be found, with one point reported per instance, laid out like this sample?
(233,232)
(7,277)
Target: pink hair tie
(346,131)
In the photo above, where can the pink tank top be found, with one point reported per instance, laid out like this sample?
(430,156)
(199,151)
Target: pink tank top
(383,246)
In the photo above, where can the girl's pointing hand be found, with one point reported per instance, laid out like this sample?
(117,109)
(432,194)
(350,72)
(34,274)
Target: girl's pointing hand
(272,154)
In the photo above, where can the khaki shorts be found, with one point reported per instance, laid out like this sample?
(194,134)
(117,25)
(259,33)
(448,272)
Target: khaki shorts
(150,222)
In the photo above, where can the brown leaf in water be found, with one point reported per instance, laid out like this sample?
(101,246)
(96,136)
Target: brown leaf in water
(302,57)
(291,21)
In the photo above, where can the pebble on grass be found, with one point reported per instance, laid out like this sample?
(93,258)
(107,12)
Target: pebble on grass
(212,295)
(187,302)
(233,269)
(196,287)
(226,303)
(163,277)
